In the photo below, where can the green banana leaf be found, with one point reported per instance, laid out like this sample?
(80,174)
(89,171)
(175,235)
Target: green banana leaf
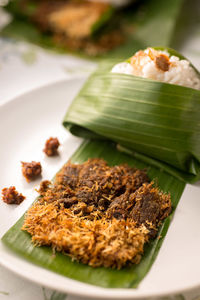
(129,277)
(149,22)
(158,121)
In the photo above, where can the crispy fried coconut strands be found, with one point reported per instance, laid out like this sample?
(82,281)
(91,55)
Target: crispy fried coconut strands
(100,242)
(99,215)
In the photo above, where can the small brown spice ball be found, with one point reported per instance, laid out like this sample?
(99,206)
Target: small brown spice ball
(51,146)
(11,196)
(162,62)
(31,170)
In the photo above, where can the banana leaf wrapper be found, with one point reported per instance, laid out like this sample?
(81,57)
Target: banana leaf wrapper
(141,21)
(129,277)
(153,121)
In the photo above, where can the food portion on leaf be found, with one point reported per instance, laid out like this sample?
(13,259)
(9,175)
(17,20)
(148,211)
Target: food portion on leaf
(149,105)
(97,29)
(97,214)
(75,24)
(130,276)
(160,65)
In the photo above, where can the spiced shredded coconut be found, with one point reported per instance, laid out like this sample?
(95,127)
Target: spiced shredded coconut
(12,196)
(51,146)
(31,170)
(97,214)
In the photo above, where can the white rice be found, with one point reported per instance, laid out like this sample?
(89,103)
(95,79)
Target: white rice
(180,72)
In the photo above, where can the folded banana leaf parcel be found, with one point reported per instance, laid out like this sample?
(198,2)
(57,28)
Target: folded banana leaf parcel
(103,218)
(149,105)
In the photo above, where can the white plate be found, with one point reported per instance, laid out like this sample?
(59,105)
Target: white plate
(26,122)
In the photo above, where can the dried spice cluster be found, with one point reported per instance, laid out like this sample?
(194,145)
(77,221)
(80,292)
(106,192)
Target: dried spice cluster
(11,196)
(51,146)
(99,215)
(31,170)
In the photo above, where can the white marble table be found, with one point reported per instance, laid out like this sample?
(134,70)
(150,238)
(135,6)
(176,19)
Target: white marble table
(24,67)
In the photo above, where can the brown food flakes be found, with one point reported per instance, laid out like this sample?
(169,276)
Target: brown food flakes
(51,146)
(44,186)
(162,62)
(11,196)
(31,170)
(97,214)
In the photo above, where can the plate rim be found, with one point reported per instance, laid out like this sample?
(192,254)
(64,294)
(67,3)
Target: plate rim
(109,293)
